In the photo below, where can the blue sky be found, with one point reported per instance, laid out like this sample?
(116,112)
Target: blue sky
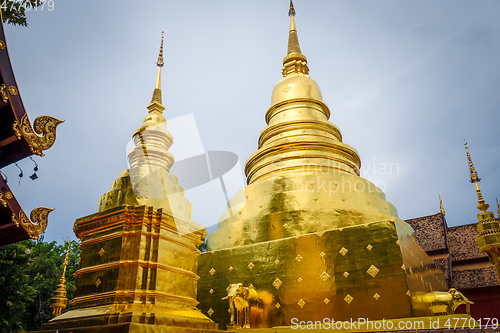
(406,82)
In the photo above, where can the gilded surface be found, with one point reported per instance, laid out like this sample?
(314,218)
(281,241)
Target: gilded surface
(58,302)
(36,224)
(359,283)
(44,125)
(3,93)
(138,260)
(488,226)
(323,242)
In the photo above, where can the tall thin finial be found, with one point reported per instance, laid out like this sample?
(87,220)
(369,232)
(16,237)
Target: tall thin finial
(160,62)
(294,62)
(291,12)
(482,205)
(441,206)
(65,263)
(157,92)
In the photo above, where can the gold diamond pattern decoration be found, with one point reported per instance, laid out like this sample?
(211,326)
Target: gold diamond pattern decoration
(101,252)
(97,283)
(343,251)
(408,293)
(326,300)
(210,312)
(322,254)
(299,280)
(277,305)
(403,267)
(348,299)
(301,303)
(376,296)
(276,262)
(298,258)
(231,268)
(212,271)
(346,274)
(397,242)
(251,265)
(285,225)
(277,283)
(324,276)
(174,284)
(369,247)
(211,291)
(373,271)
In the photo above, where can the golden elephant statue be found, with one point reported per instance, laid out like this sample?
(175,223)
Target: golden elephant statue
(245,304)
(444,302)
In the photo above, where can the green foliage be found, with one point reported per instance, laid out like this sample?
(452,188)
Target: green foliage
(14,11)
(29,274)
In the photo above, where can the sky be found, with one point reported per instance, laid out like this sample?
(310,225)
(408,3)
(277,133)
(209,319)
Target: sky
(406,83)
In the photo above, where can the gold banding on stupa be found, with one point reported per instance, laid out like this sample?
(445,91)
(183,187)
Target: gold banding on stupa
(488,226)
(308,233)
(138,260)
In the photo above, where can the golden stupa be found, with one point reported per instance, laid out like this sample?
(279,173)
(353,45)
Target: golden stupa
(308,230)
(137,270)
(308,238)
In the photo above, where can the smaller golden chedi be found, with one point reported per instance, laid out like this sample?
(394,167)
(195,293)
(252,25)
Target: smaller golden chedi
(139,252)
(58,302)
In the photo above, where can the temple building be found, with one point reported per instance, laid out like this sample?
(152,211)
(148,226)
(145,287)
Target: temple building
(19,140)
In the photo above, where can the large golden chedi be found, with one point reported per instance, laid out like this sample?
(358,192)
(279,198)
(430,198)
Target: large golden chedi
(308,229)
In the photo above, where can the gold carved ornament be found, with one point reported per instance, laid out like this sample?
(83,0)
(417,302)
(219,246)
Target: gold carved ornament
(4,93)
(36,224)
(44,125)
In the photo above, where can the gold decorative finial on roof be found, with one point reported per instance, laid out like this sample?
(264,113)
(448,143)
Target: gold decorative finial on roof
(59,300)
(482,205)
(295,61)
(157,92)
(498,209)
(441,206)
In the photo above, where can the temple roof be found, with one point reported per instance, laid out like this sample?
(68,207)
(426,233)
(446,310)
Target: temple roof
(18,140)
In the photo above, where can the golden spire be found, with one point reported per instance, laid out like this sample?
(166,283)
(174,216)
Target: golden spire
(482,205)
(157,92)
(441,206)
(295,61)
(59,300)
(498,209)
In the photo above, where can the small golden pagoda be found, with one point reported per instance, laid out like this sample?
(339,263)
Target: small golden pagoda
(58,302)
(488,226)
(137,270)
(308,232)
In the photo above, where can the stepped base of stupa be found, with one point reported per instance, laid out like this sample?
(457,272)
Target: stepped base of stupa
(373,271)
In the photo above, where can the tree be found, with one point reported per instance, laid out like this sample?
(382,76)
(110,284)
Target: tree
(14,11)
(29,274)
